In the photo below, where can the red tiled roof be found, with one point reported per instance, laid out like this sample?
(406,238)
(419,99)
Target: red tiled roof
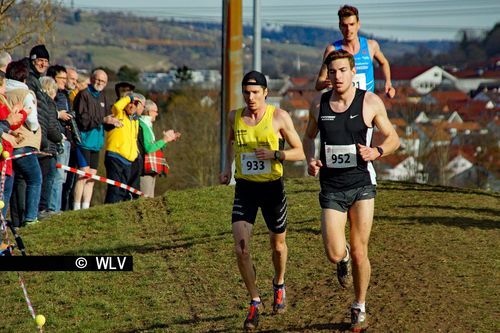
(300,81)
(475,110)
(393,160)
(401,73)
(435,133)
(467,151)
(299,103)
(474,73)
(473,126)
(444,97)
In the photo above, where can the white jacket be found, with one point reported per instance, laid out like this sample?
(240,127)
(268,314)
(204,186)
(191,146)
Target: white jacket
(29,103)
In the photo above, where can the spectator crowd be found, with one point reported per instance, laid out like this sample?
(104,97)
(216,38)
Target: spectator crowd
(52,114)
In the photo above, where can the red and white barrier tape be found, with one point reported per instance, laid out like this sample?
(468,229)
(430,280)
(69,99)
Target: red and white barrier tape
(99,178)
(13,157)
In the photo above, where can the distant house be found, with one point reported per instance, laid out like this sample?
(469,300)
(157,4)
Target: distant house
(158,81)
(400,167)
(475,177)
(443,98)
(421,78)
(470,80)
(432,136)
(457,165)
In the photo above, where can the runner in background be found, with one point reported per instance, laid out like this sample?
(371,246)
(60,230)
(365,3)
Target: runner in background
(364,51)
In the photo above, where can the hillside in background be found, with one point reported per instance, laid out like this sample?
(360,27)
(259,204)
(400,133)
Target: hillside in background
(90,39)
(434,253)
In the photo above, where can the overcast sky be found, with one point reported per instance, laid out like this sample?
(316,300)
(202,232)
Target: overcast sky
(403,19)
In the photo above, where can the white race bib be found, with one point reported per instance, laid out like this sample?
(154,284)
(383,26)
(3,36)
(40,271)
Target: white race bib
(250,165)
(340,156)
(359,81)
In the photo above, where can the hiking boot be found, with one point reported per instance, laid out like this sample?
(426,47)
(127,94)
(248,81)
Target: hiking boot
(279,303)
(252,320)
(344,270)
(358,320)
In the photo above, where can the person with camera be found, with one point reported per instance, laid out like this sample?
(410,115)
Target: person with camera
(65,120)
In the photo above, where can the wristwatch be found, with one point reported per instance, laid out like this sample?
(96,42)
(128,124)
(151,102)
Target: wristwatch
(277,155)
(380,151)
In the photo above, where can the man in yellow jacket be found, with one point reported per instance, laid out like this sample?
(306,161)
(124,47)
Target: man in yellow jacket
(121,145)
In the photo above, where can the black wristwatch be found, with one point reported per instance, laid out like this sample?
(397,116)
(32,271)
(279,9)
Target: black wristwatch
(380,151)
(277,155)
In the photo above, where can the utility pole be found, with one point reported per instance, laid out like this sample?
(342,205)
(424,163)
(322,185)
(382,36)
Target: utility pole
(232,66)
(257,36)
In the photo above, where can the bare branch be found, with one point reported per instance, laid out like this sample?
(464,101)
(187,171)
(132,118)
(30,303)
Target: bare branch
(24,21)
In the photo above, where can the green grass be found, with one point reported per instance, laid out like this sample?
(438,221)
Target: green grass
(434,254)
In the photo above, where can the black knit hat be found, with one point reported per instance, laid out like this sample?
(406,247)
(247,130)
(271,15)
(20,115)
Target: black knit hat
(254,78)
(39,51)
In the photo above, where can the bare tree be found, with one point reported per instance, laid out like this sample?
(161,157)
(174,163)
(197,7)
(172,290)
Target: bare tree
(194,159)
(24,21)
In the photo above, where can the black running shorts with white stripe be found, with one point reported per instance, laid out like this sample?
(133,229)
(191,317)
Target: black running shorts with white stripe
(269,196)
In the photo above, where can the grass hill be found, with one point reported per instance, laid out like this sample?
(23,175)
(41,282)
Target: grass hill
(434,254)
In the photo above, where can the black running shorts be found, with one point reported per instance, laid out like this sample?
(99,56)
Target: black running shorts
(269,196)
(87,158)
(342,201)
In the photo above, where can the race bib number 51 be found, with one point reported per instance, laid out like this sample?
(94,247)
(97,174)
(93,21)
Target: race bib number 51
(340,156)
(250,165)
(359,81)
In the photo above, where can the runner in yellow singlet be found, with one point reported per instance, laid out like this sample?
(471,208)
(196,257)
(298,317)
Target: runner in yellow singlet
(255,141)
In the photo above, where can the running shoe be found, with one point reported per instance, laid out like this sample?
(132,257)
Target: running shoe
(344,270)
(359,323)
(279,303)
(252,320)
(29,222)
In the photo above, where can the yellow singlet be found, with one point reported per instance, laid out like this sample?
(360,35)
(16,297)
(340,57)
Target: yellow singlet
(246,139)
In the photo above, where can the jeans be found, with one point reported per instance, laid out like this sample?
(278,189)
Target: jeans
(48,167)
(69,184)
(117,171)
(60,178)
(7,191)
(29,169)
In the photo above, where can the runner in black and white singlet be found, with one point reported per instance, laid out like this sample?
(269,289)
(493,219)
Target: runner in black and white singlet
(340,133)
(345,119)
(255,133)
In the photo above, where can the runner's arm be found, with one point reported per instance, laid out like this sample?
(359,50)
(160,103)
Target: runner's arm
(322,81)
(310,135)
(381,120)
(313,165)
(296,152)
(386,68)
